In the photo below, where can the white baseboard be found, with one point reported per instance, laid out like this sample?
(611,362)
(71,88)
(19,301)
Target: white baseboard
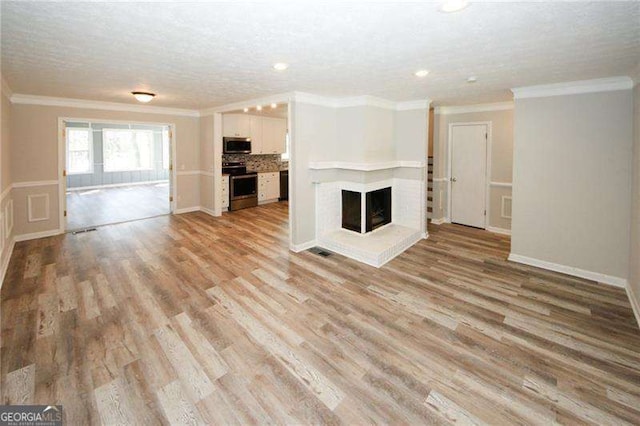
(187,210)
(438,221)
(425,235)
(195,209)
(273,200)
(635,304)
(116,185)
(569,270)
(207,210)
(297,248)
(5,261)
(36,235)
(502,231)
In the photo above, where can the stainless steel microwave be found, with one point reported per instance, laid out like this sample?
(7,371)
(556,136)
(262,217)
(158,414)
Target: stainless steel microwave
(236,145)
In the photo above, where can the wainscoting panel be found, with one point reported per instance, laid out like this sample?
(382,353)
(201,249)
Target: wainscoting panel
(505,210)
(38,207)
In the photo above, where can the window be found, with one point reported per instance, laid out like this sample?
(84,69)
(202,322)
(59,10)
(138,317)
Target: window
(287,148)
(79,150)
(127,150)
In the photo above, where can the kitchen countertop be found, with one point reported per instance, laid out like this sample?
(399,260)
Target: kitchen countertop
(268,171)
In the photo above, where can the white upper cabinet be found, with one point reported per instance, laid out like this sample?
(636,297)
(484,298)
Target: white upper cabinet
(274,133)
(256,126)
(236,125)
(268,135)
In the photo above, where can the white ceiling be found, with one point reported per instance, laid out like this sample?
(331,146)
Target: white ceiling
(202,55)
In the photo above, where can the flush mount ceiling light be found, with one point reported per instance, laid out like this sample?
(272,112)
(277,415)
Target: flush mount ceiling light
(280,66)
(472,79)
(259,108)
(143,97)
(246,110)
(450,6)
(274,106)
(421,73)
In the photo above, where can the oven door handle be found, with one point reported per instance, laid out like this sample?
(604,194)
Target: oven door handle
(244,177)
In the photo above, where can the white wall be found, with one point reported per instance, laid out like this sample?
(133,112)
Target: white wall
(313,137)
(572,182)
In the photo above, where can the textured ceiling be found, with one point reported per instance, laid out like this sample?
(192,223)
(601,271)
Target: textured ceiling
(202,55)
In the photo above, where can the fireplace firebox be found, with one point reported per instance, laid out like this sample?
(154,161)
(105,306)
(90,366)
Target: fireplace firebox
(351,210)
(377,209)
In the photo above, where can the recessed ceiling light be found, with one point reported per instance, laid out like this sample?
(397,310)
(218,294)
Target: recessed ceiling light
(143,97)
(280,66)
(259,108)
(274,106)
(453,5)
(472,79)
(422,73)
(246,110)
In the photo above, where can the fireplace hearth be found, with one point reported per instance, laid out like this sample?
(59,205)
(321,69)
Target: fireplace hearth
(377,210)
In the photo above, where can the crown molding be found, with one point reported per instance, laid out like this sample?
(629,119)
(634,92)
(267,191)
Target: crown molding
(463,109)
(358,101)
(281,98)
(6,90)
(18,98)
(411,105)
(609,84)
(310,98)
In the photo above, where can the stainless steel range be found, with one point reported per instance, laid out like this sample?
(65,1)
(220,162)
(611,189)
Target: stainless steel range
(243,185)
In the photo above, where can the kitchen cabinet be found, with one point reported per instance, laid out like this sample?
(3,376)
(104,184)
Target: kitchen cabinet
(268,186)
(255,127)
(225,192)
(236,125)
(274,133)
(268,134)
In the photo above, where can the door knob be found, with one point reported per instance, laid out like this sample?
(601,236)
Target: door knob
(454,179)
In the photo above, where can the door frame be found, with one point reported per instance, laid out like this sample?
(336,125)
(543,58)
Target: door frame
(487,195)
(62,161)
(218,112)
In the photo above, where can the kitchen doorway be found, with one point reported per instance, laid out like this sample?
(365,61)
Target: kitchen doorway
(114,172)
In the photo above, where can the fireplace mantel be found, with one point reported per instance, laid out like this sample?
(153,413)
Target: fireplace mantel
(365,167)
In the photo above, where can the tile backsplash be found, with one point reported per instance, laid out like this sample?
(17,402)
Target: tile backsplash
(259,163)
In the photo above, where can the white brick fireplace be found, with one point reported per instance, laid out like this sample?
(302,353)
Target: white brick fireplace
(379,246)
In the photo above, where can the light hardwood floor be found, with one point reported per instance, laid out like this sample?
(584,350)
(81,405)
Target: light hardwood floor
(101,206)
(193,319)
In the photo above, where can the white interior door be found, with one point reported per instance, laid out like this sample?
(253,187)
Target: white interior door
(468,174)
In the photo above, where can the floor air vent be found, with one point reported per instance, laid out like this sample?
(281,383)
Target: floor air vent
(320,252)
(82,231)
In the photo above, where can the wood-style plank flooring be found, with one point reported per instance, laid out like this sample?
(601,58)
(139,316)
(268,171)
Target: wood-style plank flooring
(102,206)
(194,319)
